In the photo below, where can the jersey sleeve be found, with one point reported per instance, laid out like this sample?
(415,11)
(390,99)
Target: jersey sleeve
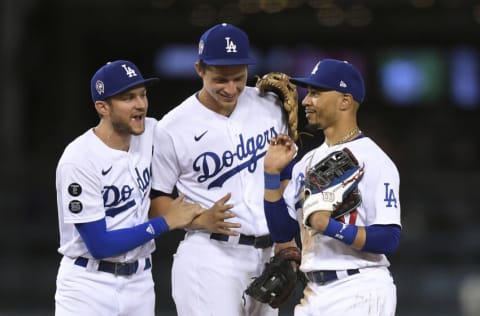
(386,195)
(79,194)
(165,167)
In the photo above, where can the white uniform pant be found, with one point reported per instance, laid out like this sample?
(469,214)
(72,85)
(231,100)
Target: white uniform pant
(86,291)
(368,293)
(209,277)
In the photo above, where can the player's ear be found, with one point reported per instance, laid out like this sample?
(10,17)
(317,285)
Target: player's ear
(200,68)
(346,101)
(102,108)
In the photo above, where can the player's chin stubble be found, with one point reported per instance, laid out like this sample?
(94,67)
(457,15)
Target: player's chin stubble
(129,129)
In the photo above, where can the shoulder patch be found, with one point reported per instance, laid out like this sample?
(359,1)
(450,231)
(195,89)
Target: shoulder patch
(75,206)
(74,189)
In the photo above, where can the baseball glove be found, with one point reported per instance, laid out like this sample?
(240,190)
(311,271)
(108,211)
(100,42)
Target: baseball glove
(331,185)
(278,280)
(279,83)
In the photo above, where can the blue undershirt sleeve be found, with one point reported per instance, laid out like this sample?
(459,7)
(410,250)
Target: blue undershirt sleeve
(103,244)
(382,239)
(282,227)
(286,173)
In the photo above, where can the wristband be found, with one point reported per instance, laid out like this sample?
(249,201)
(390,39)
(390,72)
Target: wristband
(340,231)
(272,181)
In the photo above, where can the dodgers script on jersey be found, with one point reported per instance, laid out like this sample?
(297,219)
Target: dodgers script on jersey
(378,207)
(207,173)
(92,184)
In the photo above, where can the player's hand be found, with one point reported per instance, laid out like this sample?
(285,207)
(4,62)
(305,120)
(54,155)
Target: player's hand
(281,151)
(280,246)
(214,219)
(180,213)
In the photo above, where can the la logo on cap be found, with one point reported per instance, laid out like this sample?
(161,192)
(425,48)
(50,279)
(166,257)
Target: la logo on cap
(129,71)
(224,45)
(231,47)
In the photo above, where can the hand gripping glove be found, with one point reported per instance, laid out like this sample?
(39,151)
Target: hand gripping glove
(279,83)
(331,185)
(278,280)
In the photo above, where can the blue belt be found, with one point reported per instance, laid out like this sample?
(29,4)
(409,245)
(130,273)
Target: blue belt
(323,277)
(258,242)
(117,268)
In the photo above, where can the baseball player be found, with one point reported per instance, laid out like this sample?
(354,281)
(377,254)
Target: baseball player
(103,182)
(211,148)
(345,260)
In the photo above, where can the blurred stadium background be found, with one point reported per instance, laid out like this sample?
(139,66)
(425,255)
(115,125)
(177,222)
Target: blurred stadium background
(421,61)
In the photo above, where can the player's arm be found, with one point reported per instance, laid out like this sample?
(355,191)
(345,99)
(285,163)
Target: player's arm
(278,165)
(159,203)
(103,243)
(282,227)
(374,238)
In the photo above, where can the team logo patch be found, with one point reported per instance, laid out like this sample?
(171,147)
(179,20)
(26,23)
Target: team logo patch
(201,45)
(74,189)
(100,87)
(390,198)
(75,206)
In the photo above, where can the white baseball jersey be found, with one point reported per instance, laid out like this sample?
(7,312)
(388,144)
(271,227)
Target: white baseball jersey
(379,188)
(95,181)
(208,155)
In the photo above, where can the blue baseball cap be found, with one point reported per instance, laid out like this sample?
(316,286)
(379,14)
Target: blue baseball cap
(225,44)
(116,77)
(335,75)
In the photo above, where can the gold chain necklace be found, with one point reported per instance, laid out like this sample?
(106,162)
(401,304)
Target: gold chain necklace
(348,136)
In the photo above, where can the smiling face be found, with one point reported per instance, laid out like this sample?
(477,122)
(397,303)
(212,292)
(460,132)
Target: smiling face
(222,85)
(322,106)
(127,110)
